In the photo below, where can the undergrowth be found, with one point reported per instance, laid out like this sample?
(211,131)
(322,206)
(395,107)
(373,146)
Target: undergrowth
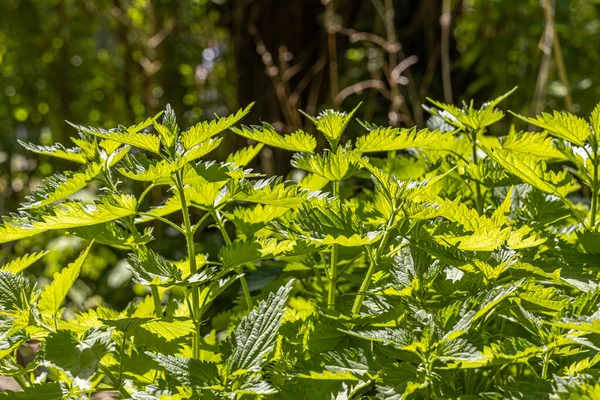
(427,264)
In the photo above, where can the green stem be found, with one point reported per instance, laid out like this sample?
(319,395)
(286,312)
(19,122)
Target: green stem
(20,381)
(189,236)
(478,199)
(374,261)
(221,226)
(333,275)
(594,195)
(143,195)
(157,305)
(546,361)
(113,379)
(122,356)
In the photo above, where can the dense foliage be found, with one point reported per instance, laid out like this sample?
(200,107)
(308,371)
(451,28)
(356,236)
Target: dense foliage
(460,265)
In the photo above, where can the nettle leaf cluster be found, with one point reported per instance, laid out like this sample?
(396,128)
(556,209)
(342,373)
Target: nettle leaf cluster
(447,262)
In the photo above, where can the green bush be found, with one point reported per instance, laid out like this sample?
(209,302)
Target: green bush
(461,265)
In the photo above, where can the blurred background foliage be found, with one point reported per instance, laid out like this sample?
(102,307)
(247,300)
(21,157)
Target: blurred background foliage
(110,62)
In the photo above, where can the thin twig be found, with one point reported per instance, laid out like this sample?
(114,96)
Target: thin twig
(546,44)
(558,56)
(445,23)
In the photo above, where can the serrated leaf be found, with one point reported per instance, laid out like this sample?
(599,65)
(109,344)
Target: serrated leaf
(19,264)
(61,186)
(256,335)
(562,125)
(149,268)
(274,191)
(467,117)
(46,391)
(249,220)
(296,141)
(205,130)
(55,293)
(113,235)
(393,139)
(244,156)
(129,136)
(333,166)
(15,291)
(327,223)
(69,214)
(79,357)
(244,251)
(332,124)
(188,372)
(533,171)
(57,150)
(140,168)
(537,144)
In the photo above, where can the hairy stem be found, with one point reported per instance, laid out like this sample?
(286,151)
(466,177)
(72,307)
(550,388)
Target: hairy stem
(22,383)
(374,261)
(113,379)
(221,225)
(545,363)
(156,297)
(189,236)
(478,198)
(594,194)
(333,262)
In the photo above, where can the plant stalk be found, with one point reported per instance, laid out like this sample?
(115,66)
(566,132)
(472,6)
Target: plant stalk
(113,379)
(594,195)
(333,262)
(156,297)
(20,381)
(189,236)
(244,283)
(478,199)
(374,261)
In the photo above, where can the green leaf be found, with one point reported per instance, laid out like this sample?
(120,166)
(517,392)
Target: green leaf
(150,268)
(244,251)
(537,144)
(467,118)
(256,335)
(211,171)
(191,373)
(297,141)
(533,171)
(61,186)
(562,125)
(244,156)
(595,121)
(78,356)
(327,222)
(333,166)
(57,150)
(46,391)
(55,293)
(332,124)
(140,168)
(113,235)
(249,220)
(16,291)
(130,136)
(274,191)
(69,214)
(205,130)
(19,264)
(393,139)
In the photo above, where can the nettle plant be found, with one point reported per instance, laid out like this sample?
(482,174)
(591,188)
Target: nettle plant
(459,264)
